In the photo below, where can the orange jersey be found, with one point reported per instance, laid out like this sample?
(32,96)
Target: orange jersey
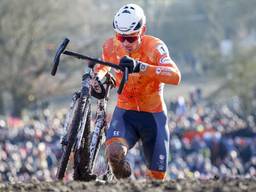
(144,90)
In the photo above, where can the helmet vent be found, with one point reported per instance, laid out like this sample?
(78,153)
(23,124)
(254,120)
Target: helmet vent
(126,11)
(138,26)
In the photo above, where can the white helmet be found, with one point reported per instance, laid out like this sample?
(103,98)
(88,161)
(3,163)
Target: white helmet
(129,19)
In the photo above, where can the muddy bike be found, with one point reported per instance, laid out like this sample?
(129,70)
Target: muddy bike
(80,137)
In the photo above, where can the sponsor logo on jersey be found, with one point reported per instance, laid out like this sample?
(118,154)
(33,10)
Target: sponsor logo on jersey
(143,67)
(165,60)
(163,71)
(162,49)
(158,70)
(116,133)
(166,71)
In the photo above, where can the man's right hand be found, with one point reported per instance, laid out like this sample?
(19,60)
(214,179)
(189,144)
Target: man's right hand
(95,83)
(98,91)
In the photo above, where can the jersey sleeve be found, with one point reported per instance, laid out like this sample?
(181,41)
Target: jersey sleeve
(164,69)
(101,70)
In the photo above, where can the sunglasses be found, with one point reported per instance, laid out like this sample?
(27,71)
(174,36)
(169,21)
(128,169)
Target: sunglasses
(130,39)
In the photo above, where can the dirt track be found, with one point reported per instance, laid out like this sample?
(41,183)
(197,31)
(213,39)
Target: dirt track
(232,185)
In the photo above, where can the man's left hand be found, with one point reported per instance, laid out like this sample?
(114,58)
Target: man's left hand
(132,64)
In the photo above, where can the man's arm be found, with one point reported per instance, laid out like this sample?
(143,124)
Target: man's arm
(167,73)
(101,70)
(165,70)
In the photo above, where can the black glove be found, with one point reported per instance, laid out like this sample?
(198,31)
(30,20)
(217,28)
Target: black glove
(132,64)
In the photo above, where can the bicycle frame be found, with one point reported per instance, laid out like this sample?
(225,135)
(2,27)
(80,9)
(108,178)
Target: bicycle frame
(78,135)
(100,122)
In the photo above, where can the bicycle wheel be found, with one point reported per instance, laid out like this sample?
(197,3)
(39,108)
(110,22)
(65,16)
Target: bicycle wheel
(71,137)
(82,155)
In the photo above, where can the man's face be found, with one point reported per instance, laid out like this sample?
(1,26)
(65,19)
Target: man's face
(130,42)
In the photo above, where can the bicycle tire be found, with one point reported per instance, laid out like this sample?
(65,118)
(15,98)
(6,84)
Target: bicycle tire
(71,137)
(82,155)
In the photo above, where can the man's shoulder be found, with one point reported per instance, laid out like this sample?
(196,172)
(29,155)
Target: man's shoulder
(109,42)
(151,39)
(151,42)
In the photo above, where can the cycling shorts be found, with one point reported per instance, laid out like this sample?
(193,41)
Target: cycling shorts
(129,126)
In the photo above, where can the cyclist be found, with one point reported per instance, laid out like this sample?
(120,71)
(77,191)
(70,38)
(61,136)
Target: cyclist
(140,112)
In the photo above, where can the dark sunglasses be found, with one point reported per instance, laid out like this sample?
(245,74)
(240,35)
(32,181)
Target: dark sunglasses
(130,39)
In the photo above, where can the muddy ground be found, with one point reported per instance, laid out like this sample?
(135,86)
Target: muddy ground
(217,185)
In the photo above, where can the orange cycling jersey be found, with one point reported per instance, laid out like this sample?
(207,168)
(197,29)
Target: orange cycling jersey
(144,90)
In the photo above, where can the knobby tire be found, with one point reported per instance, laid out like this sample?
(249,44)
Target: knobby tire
(82,155)
(73,129)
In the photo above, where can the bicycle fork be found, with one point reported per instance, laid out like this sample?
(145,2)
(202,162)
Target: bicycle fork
(97,132)
(100,125)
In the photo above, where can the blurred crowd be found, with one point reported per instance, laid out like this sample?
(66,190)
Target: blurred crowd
(31,151)
(207,141)
(212,140)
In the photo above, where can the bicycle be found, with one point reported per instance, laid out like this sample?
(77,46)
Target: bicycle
(80,138)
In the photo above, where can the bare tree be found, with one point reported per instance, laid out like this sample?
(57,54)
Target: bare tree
(30,31)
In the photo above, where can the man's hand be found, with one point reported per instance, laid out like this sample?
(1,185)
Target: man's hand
(98,91)
(132,64)
(96,85)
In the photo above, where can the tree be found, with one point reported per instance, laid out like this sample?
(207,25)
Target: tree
(241,78)
(30,31)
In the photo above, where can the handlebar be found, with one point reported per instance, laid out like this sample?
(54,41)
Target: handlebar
(61,50)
